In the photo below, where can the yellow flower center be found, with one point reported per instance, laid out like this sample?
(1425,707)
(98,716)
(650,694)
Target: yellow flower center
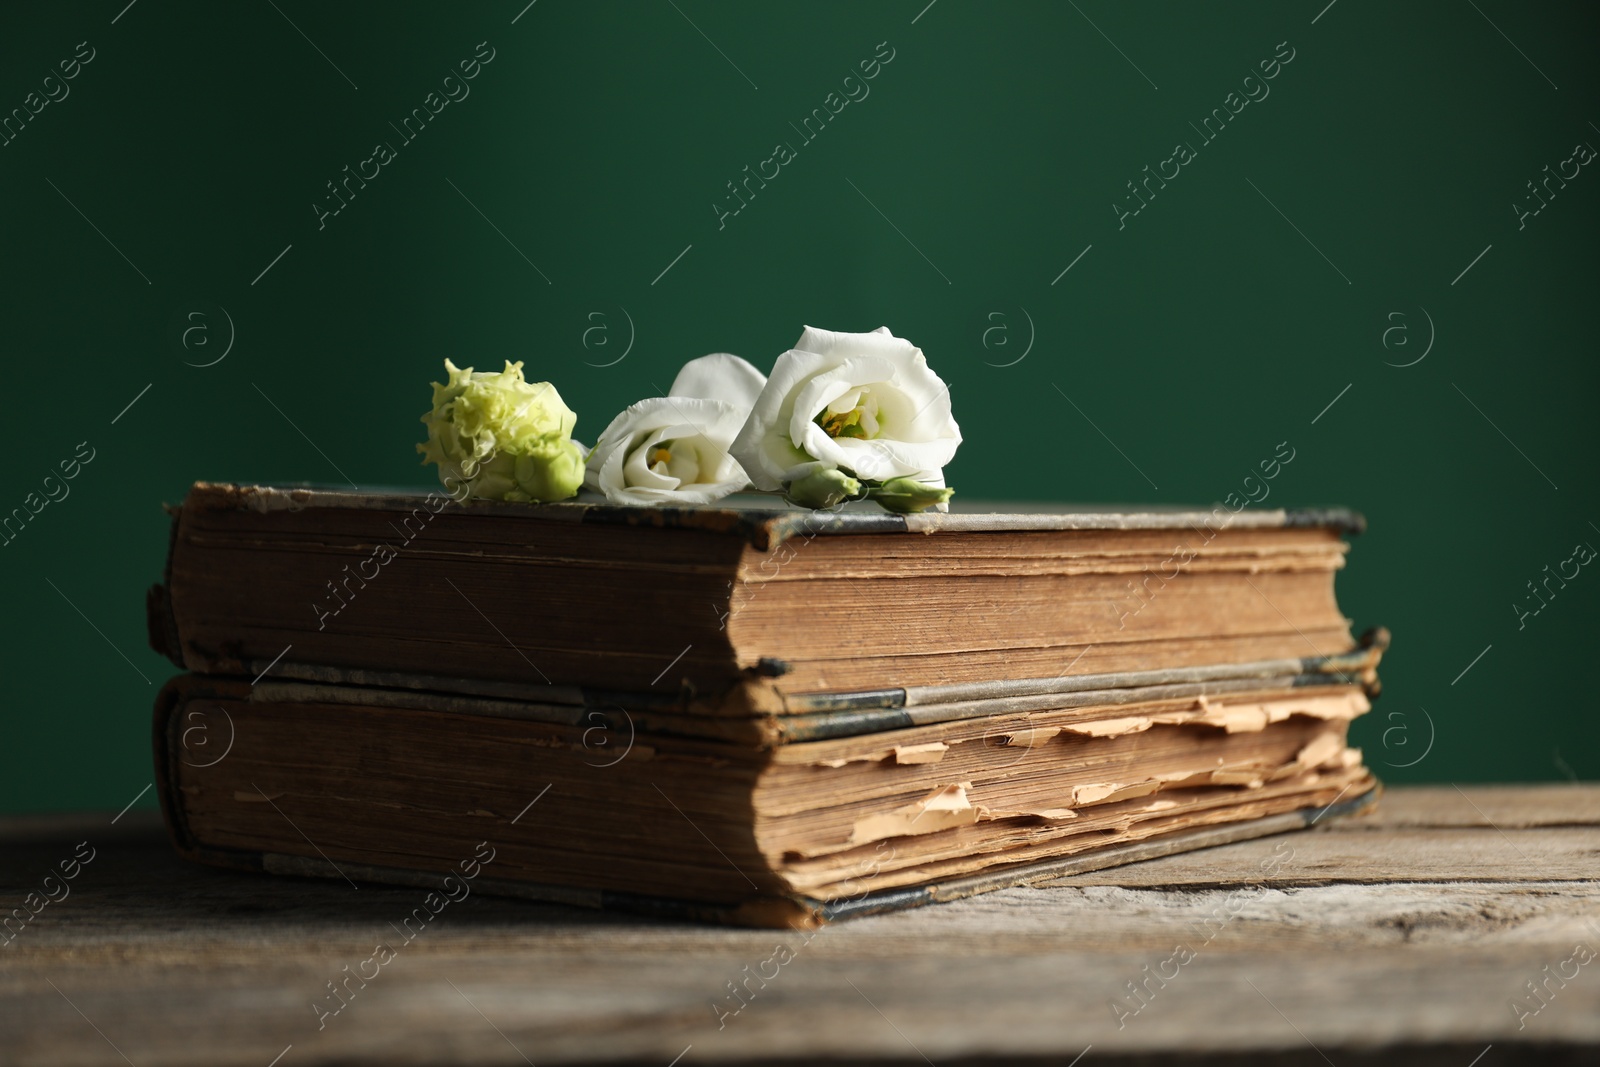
(852,415)
(835,425)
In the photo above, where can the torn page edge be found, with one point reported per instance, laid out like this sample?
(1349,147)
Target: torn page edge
(943,809)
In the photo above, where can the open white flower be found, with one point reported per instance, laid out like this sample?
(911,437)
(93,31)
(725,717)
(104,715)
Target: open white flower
(673,449)
(865,403)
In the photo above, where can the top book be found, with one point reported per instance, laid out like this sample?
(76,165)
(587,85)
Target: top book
(739,608)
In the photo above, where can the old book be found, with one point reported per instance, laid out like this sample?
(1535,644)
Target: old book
(582,803)
(742,607)
(745,712)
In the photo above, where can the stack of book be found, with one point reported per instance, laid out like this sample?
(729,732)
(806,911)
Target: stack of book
(745,712)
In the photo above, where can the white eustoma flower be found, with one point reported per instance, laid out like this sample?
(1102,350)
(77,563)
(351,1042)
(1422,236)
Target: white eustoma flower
(673,449)
(865,403)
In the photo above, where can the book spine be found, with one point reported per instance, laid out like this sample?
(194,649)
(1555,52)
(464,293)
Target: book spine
(160,620)
(162,624)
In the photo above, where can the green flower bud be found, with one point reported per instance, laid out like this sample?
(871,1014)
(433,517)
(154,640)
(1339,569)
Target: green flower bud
(907,495)
(821,487)
(549,472)
(505,438)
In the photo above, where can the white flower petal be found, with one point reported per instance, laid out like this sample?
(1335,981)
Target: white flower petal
(816,395)
(762,446)
(620,465)
(904,410)
(841,346)
(637,470)
(719,376)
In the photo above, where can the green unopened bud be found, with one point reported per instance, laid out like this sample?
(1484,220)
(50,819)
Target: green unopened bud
(823,487)
(501,437)
(551,470)
(906,495)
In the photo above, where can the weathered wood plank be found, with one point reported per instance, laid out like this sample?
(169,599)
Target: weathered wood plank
(626,1004)
(1509,807)
(181,964)
(1394,855)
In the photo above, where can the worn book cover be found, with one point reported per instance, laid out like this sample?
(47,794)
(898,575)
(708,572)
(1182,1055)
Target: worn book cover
(738,785)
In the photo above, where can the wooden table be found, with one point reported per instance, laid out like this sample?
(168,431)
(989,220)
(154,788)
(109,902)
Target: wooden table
(1404,937)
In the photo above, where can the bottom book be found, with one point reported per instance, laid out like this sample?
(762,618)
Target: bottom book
(587,802)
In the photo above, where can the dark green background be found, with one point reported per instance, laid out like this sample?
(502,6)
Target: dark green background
(1197,338)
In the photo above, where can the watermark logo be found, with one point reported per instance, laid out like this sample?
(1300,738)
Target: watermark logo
(452,889)
(1545,986)
(602,738)
(1017,738)
(853,88)
(207,737)
(1397,738)
(599,340)
(1582,554)
(202,333)
(1000,341)
(36,901)
(1397,338)
(1143,988)
(1543,192)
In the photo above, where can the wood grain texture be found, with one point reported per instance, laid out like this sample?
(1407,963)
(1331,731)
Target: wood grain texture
(1410,931)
